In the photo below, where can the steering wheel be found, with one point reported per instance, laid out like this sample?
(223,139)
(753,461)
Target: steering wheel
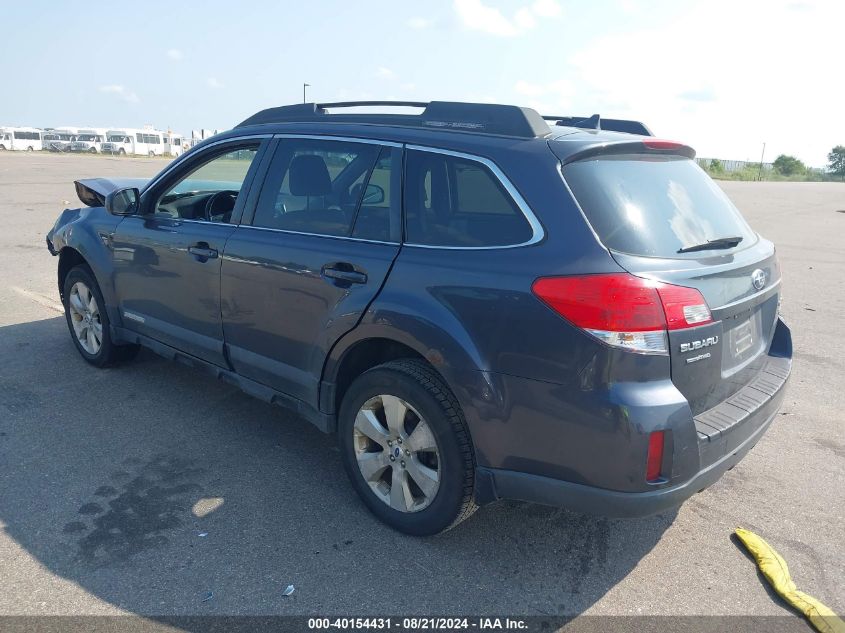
(220,204)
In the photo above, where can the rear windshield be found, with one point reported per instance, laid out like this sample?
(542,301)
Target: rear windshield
(654,206)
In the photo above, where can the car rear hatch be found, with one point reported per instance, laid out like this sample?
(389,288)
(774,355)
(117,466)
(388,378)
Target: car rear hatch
(662,218)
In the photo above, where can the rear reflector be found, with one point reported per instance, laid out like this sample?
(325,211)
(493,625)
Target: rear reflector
(623,310)
(654,460)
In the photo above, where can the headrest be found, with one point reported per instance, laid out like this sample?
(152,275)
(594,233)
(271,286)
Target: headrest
(309,176)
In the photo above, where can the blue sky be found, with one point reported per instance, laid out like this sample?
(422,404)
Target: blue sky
(724,76)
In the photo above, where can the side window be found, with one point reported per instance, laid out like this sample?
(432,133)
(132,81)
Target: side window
(373,219)
(139,138)
(452,201)
(209,192)
(317,186)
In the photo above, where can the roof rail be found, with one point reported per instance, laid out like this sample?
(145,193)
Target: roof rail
(595,122)
(480,118)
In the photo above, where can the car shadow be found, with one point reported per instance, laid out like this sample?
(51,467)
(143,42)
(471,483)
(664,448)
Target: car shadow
(164,492)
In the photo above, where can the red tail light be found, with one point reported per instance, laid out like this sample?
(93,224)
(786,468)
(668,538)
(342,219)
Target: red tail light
(654,460)
(684,307)
(656,143)
(623,310)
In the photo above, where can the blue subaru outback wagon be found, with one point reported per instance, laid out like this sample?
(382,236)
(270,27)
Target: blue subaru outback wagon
(481,302)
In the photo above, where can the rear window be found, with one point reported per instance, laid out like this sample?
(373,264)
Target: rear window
(654,206)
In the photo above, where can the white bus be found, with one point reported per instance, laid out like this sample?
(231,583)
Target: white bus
(20,138)
(173,143)
(59,139)
(149,141)
(143,142)
(119,142)
(89,140)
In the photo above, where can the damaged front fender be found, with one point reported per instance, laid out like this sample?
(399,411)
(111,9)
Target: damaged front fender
(56,236)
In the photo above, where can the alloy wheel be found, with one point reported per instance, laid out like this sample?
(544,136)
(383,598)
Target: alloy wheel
(397,453)
(85,318)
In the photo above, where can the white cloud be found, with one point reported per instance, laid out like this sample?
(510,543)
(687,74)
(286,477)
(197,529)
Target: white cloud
(628,7)
(214,82)
(547,98)
(559,88)
(702,95)
(528,89)
(120,92)
(524,19)
(546,8)
(478,16)
(175,54)
(418,22)
(385,73)
(409,86)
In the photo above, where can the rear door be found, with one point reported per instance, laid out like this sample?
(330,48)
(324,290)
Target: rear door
(301,272)
(663,218)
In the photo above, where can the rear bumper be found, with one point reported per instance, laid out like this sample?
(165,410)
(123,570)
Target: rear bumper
(725,434)
(509,484)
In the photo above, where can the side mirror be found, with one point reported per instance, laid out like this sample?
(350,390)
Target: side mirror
(373,194)
(123,201)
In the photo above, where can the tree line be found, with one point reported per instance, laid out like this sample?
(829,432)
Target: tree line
(788,166)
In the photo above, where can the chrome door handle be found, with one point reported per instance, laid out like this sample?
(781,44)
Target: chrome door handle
(351,276)
(202,251)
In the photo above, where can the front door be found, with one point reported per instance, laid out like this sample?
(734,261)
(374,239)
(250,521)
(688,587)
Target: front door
(167,258)
(302,273)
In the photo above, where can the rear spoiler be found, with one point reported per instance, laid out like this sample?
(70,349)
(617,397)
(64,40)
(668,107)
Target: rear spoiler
(93,191)
(646,147)
(595,122)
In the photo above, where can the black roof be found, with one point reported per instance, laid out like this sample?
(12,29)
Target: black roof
(480,118)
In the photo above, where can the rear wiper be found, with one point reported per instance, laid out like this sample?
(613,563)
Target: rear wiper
(720,242)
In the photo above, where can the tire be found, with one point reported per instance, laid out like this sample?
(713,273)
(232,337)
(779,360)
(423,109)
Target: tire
(107,352)
(430,403)
(93,150)
(2,148)
(152,154)
(121,152)
(29,149)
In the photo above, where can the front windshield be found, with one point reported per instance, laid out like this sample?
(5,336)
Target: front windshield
(87,137)
(51,137)
(117,139)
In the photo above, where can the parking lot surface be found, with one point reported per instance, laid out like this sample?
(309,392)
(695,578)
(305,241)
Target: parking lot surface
(147,488)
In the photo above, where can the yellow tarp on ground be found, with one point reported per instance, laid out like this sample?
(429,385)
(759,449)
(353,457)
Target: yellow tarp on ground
(774,568)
